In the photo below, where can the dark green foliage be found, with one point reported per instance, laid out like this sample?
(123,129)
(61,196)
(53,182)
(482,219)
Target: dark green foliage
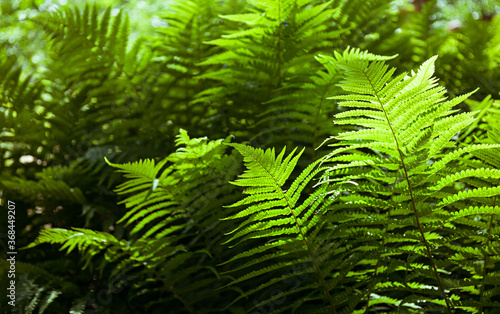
(182,47)
(393,207)
(175,226)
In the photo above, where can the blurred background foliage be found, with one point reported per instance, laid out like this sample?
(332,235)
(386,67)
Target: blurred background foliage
(447,24)
(123,83)
(28,45)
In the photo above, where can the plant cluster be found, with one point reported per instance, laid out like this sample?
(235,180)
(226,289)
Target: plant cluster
(197,169)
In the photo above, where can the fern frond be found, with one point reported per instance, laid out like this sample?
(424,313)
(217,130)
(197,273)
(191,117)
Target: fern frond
(397,109)
(94,70)
(154,197)
(273,212)
(273,49)
(181,48)
(87,242)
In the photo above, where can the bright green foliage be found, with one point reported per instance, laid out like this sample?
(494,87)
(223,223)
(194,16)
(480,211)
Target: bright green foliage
(401,161)
(88,242)
(181,194)
(290,226)
(488,121)
(485,130)
(277,33)
(388,204)
(273,53)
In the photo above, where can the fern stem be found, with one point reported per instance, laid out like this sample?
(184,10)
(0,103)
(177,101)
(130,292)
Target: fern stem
(414,206)
(313,258)
(315,134)
(383,245)
(486,256)
(417,220)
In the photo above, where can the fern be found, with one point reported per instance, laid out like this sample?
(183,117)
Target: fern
(401,154)
(276,213)
(397,212)
(50,185)
(20,106)
(488,117)
(273,49)
(154,196)
(173,220)
(98,79)
(181,48)
(301,115)
(90,104)
(485,130)
(418,35)
(365,22)
(476,42)
(37,288)
(17,91)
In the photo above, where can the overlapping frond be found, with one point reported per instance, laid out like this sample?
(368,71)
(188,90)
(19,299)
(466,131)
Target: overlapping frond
(171,196)
(366,21)
(271,50)
(483,212)
(404,218)
(301,114)
(181,46)
(174,207)
(278,211)
(87,242)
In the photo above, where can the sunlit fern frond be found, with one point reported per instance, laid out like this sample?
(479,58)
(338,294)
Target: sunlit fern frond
(177,203)
(171,196)
(287,228)
(401,161)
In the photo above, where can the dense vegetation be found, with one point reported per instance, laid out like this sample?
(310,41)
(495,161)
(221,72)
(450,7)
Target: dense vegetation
(280,156)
